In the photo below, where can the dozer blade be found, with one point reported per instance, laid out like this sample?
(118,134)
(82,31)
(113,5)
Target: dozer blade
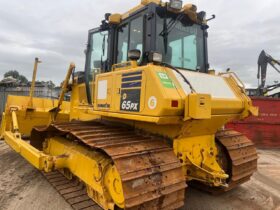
(38,114)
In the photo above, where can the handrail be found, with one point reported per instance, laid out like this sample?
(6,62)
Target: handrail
(234,75)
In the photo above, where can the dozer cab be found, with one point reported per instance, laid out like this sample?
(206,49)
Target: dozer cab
(146,116)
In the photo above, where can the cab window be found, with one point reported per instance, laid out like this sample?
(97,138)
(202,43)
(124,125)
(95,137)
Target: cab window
(136,34)
(180,41)
(98,51)
(130,37)
(123,43)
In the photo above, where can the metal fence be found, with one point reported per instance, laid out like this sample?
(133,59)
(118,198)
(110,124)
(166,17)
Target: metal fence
(4,92)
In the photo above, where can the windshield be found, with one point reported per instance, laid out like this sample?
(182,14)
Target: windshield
(180,41)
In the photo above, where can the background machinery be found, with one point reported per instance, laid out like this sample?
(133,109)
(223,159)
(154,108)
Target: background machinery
(263,130)
(145,117)
(263,61)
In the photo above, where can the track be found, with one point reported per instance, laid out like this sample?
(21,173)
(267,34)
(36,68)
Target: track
(151,174)
(73,191)
(237,156)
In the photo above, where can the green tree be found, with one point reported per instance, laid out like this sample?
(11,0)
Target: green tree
(12,73)
(16,75)
(51,84)
(23,79)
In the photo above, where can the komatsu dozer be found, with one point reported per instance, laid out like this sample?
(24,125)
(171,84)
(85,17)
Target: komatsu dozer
(145,118)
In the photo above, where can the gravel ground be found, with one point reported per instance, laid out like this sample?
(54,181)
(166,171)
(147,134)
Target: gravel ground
(22,187)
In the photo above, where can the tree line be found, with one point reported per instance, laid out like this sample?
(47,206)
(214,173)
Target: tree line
(14,74)
(22,79)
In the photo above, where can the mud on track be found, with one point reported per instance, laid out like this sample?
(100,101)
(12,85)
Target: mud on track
(23,188)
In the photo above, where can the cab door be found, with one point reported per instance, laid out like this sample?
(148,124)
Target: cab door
(96,59)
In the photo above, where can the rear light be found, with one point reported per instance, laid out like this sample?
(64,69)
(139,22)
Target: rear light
(174,103)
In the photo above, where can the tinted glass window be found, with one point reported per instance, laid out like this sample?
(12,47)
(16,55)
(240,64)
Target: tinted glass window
(181,42)
(99,47)
(130,37)
(136,34)
(122,43)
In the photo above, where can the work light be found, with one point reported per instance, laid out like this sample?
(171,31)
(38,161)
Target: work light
(134,55)
(176,4)
(155,57)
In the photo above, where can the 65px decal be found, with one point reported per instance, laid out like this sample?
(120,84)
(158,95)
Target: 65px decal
(130,100)
(129,106)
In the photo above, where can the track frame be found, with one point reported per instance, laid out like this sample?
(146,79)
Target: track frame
(150,174)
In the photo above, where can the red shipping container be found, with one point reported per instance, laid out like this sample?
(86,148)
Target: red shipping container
(263,130)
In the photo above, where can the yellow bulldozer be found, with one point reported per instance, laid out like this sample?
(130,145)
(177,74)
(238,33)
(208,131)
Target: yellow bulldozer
(145,118)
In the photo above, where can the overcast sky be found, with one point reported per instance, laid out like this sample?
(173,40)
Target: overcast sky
(56,32)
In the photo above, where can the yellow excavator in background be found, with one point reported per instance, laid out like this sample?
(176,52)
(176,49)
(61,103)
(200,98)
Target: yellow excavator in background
(145,117)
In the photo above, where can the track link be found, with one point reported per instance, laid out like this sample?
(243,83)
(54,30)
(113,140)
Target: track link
(73,191)
(238,158)
(151,174)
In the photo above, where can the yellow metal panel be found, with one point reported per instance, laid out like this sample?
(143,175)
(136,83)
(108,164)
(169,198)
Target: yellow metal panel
(237,85)
(103,92)
(39,104)
(145,2)
(117,92)
(232,106)
(38,116)
(115,18)
(60,153)
(199,106)
(205,126)
(88,165)
(157,120)
(32,155)
(138,7)
(167,130)
(157,95)
(198,157)
(76,154)
(190,10)
(82,94)
(161,88)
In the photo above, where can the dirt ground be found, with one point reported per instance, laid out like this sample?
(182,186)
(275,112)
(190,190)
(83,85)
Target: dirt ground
(23,188)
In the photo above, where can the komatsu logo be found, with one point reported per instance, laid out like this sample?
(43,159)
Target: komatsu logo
(128,105)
